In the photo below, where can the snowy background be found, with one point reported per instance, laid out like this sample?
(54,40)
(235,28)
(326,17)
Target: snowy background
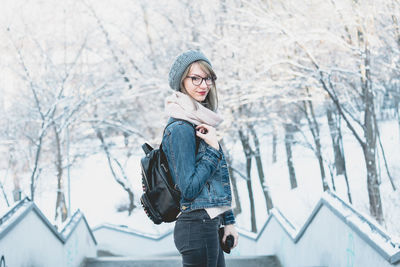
(82,84)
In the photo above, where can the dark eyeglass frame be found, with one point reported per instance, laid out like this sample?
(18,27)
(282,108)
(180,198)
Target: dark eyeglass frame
(210,79)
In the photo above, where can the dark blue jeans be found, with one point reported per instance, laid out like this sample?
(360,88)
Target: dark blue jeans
(196,238)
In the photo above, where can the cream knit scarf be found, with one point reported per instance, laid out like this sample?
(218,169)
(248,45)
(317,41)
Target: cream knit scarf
(180,106)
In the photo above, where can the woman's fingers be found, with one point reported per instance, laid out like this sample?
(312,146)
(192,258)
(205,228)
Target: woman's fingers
(200,134)
(203,125)
(236,241)
(208,134)
(231,230)
(202,129)
(206,127)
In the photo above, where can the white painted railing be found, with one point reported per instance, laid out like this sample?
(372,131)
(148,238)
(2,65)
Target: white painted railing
(27,238)
(334,235)
(122,241)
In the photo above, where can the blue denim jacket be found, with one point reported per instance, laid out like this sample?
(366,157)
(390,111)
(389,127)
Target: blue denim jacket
(202,177)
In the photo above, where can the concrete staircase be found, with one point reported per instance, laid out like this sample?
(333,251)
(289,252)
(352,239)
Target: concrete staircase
(175,261)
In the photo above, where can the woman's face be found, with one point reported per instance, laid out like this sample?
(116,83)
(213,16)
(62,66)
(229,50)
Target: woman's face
(195,75)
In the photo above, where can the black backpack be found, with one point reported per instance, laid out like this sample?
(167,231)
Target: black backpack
(160,199)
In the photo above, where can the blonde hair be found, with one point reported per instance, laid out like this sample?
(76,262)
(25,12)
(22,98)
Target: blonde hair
(211,101)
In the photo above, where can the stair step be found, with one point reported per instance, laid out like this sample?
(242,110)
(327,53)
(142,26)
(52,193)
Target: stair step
(176,261)
(252,261)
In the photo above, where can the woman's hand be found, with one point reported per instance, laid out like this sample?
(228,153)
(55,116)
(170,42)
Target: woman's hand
(231,230)
(208,134)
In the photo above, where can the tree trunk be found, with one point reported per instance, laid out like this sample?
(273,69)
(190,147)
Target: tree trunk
(4,194)
(288,144)
(251,198)
(257,154)
(339,127)
(373,186)
(16,180)
(370,146)
(334,131)
(123,181)
(398,117)
(314,128)
(397,111)
(274,143)
(332,179)
(61,205)
(396,95)
(248,153)
(36,171)
(17,194)
(237,209)
(321,165)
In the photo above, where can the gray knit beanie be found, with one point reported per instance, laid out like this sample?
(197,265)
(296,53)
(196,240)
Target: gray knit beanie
(181,63)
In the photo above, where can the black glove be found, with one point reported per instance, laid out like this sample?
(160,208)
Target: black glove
(229,241)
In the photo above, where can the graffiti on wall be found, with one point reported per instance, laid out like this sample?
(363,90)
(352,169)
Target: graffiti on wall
(72,251)
(350,250)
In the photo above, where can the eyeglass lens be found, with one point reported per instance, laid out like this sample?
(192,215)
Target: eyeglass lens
(198,80)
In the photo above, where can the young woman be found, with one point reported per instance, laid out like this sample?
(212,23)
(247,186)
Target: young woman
(197,162)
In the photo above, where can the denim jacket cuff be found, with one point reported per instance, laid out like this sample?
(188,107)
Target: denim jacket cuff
(213,155)
(228,218)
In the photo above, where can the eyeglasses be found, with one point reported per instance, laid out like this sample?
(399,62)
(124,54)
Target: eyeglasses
(197,80)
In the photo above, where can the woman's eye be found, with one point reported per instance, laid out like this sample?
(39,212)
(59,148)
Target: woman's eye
(195,79)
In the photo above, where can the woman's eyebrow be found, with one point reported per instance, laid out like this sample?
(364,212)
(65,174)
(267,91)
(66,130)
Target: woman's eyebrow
(198,75)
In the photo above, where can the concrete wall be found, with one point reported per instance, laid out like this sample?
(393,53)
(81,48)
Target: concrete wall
(334,235)
(122,241)
(26,245)
(328,241)
(27,239)
(79,245)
